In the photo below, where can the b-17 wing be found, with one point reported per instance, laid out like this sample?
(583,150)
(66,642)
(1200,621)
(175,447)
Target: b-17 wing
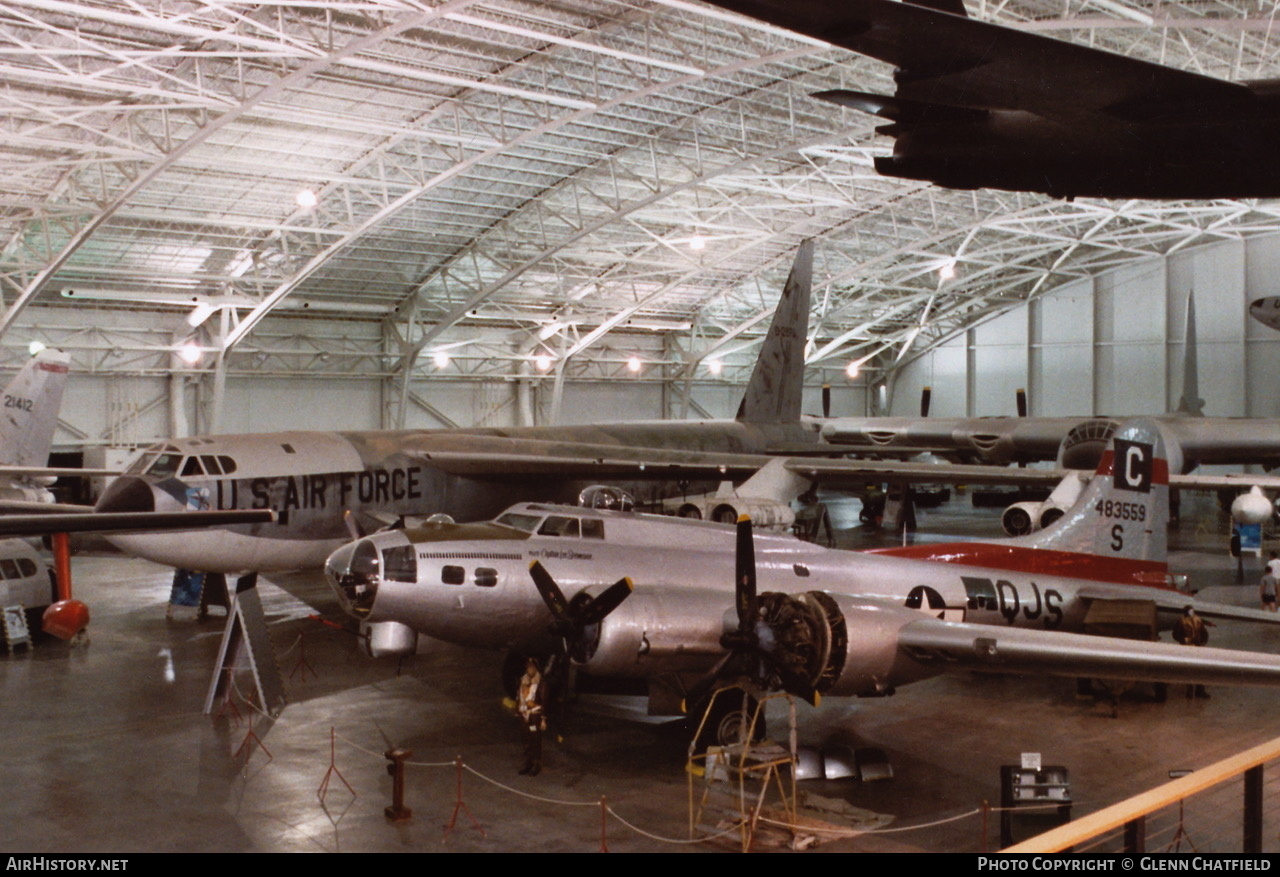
(1022,650)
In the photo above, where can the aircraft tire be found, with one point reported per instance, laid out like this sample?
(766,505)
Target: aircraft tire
(725,725)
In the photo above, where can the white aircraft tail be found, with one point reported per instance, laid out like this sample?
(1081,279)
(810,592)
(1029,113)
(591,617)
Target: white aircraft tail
(1119,525)
(773,482)
(777,383)
(29,412)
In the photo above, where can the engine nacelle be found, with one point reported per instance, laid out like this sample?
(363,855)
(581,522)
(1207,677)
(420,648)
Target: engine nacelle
(390,639)
(26,494)
(658,631)
(836,644)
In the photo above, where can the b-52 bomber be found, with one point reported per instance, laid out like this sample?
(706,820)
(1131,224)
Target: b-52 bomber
(654,600)
(978,105)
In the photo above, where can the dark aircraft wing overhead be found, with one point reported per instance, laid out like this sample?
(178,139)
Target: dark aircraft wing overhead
(959,61)
(38,525)
(1019,650)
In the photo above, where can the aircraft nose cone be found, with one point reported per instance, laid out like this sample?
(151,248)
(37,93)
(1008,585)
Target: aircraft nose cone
(127,494)
(353,572)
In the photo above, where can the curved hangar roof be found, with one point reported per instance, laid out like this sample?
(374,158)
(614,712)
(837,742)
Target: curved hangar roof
(562,171)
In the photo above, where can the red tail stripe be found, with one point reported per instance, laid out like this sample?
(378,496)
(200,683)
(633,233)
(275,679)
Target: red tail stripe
(1040,561)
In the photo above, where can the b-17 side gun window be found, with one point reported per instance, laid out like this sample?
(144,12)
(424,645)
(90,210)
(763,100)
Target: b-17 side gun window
(486,577)
(400,564)
(558,525)
(453,575)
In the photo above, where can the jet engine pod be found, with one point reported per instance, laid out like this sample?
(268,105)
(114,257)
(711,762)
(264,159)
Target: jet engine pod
(390,639)
(764,514)
(1020,518)
(1252,508)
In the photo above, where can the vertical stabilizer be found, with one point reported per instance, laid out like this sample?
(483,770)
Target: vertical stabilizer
(30,409)
(1122,516)
(1190,403)
(773,394)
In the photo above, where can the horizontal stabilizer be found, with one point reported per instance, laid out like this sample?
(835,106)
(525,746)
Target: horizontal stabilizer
(1018,650)
(908,112)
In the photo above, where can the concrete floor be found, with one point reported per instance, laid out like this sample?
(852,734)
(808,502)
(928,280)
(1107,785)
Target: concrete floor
(105,749)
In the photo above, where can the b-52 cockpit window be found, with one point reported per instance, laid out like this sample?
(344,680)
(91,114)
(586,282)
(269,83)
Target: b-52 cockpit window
(138,466)
(165,465)
(523,523)
(192,467)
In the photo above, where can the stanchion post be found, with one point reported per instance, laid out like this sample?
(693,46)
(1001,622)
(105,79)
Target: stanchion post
(460,805)
(604,824)
(397,812)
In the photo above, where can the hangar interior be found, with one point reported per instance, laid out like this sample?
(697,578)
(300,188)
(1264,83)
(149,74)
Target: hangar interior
(365,214)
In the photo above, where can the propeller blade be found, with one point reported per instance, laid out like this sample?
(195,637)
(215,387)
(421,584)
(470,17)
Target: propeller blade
(1022,402)
(926,396)
(745,576)
(826,400)
(353,528)
(595,611)
(550,591)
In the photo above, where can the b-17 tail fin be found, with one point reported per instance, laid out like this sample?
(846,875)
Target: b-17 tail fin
(29,412)
(777,383)
(1120,522)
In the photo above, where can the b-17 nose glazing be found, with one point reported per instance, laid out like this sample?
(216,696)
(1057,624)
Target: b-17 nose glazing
(354,572)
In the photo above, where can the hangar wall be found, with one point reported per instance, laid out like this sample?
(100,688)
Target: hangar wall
(333,374)
(1113,344)
(1110,344)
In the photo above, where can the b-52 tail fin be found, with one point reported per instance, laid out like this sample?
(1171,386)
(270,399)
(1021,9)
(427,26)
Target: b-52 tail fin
(29,412)
(777,383)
